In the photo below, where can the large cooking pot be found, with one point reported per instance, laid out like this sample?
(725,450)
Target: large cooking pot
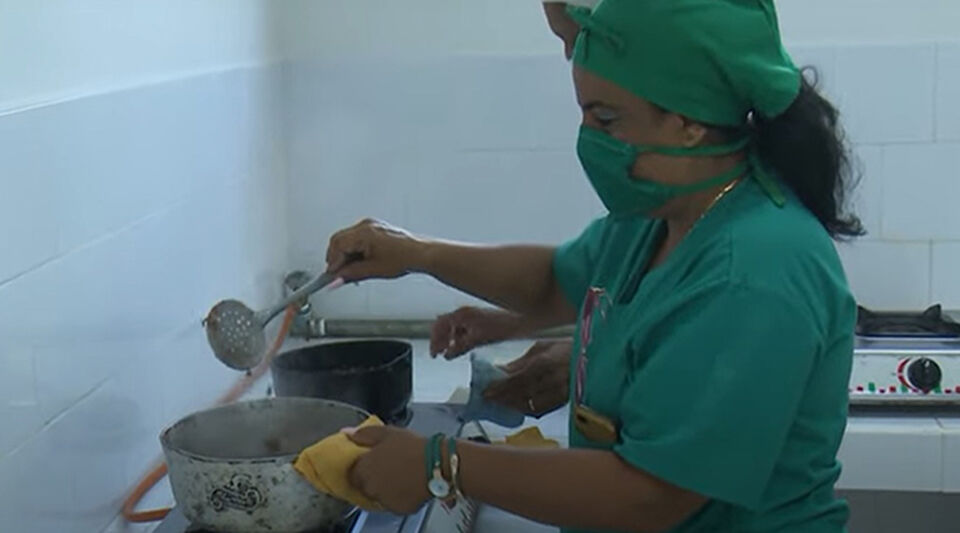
(376,376)
(231,467)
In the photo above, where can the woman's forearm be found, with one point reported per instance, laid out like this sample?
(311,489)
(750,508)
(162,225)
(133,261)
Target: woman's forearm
(584,489)
(518,278)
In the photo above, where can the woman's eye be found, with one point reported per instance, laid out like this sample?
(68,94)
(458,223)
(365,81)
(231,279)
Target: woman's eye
(605,119)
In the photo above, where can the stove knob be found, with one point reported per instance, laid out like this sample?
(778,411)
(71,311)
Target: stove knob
(924,374)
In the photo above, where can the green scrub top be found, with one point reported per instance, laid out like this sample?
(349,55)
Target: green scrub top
(725,368)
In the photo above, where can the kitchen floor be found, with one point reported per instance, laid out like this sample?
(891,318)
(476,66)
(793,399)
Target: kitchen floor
(902,512)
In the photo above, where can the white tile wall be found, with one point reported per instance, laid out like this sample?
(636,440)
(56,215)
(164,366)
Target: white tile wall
(921,185)
(823,59)
(448,149)
(867,197)
(124,216)
(946,274)
(480,147)
(536,109)
(885,275)
(887,92)
(948,92)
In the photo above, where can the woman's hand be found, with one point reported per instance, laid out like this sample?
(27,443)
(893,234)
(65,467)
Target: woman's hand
(373,249)
(562,25)
(392,473)
(456,333)
(538,382)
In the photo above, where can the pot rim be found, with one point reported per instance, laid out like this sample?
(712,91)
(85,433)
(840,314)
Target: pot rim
(277,458)
(279,361)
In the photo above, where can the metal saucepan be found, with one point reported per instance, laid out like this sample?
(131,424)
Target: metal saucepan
(231,467)
(376,376)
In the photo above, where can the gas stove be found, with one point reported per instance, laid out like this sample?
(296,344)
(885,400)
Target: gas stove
(906,359)
(435,517)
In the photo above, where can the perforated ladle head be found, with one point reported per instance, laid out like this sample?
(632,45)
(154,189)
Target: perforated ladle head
(236,333)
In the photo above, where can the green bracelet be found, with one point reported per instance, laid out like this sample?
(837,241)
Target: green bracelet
(438,452)
(429,456)
(437,486)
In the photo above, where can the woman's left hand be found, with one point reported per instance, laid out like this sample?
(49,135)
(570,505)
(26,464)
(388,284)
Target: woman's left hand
(393,472)
(562,25)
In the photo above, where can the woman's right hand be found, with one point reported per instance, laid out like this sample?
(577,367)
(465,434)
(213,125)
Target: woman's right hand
(373,249)
(538,382)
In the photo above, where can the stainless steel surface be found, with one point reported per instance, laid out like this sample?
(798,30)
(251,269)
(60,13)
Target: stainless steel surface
(236,333)
(888,372)
(231,467)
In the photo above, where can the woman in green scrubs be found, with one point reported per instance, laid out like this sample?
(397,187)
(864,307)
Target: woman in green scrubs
(708,383)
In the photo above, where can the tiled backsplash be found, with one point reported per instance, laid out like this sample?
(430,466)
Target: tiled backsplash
(124,216)
(481,147)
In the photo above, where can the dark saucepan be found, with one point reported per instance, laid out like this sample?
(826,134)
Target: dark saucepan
(374,375)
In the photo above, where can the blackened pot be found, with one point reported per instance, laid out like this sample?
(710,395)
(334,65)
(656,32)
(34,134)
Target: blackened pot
(374,375)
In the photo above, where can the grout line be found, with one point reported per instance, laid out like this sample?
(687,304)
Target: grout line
(513,150)
(930,296)
(881,179)
(57,98)
(186,198)
(59,415)
(95,241)
(936,90)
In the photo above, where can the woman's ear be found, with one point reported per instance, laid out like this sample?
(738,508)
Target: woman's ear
(693,133)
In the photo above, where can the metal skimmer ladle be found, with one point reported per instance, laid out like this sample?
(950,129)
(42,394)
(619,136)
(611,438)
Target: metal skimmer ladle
(236,333)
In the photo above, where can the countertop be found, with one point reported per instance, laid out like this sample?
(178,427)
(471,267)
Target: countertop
(894,452)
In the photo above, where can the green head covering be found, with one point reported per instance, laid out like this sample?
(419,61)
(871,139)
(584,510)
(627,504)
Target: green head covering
(713,61)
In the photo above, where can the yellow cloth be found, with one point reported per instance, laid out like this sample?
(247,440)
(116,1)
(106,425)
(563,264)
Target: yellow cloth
(530,437)
(326,465)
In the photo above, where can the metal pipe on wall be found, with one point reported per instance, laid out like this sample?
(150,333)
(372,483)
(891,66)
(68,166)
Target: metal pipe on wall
(389,328)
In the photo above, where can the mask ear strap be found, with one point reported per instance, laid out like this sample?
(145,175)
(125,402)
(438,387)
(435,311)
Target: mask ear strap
(763,178)
(698,151)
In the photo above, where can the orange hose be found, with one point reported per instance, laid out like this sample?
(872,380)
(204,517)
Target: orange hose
(130,514)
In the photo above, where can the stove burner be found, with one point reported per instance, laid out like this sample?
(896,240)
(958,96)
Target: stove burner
(932,323)
(343,527)
(402,419)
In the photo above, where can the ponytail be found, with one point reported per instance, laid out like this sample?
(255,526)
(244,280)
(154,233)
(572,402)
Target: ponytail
(806,148)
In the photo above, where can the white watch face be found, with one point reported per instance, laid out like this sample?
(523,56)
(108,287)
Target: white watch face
(439,488)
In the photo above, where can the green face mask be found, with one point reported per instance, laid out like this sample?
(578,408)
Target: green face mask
(609,162)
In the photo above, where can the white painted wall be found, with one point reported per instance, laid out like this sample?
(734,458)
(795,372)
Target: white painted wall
(58,49)
(457,118)
(868,21)
(142,177)
(143,163)
(439,27)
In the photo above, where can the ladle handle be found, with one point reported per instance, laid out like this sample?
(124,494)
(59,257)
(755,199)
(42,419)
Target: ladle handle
(314,285)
